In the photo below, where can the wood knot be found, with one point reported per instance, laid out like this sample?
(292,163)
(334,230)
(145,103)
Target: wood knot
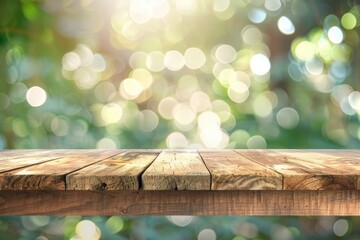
(103,186)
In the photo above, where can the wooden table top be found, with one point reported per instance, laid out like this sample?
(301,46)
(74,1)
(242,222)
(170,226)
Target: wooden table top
(180,170)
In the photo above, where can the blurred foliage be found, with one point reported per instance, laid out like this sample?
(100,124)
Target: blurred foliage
(179,74)
(178,227)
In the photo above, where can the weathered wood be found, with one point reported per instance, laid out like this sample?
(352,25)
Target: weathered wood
(263,202)
(339,172)
(14,159)
(299,174)
(121,172)
(177,170)
(50,175)
(232,171)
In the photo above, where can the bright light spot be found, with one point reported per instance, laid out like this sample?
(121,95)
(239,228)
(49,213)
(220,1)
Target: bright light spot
(341,227)
(194,58)
(354,100)
(256,15)
(348,21)
(85,53)
(305,50)
(262,106)
(225,53)
(186,7)
(335,35)
(130,88)
(238,92)
(176,140)
(200,101)
(346,107)
(314,66)
(207,234)
(222,109)
(286,26)
(214,138)
(340,92)
(227,76)
(260,64)
(208,120)
(98,63)
(240,137)
(106,143)
(174,60)
(256,142)
(181,221)
(245,229)
(220,5)
(166,106)
(183,114)
(339,70)
(323,83)
(87,230)
(36,96)
(287,118)
(71,61)
(148,121)
(272,5)
(140,11)
(219,67)
(251,35)
(131,30)
(143,76)
(111,113)
(155,61)
(85,78)
(114,224)
(138,60)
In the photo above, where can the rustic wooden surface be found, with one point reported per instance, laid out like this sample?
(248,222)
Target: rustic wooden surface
(303,173)
(50,175)
(177,170)
(169,202)
(232,171)
(204,182)
(121,172)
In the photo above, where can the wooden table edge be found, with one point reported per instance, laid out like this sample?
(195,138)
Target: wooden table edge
(186,202)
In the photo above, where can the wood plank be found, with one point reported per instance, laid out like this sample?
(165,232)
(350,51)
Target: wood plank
(334,172)
(205,202)
(299,174)
(121,172)
(231,171)
(15,159)
(177,170)
(51,175)
(344,161)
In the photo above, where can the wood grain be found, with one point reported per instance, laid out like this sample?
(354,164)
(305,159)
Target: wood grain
(121,172)
(51,175)
(14,159)
(253,203)
(177,170)
(331,170)
(232,171)
(299,174)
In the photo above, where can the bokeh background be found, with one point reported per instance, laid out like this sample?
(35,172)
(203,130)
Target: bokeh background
(179,74)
